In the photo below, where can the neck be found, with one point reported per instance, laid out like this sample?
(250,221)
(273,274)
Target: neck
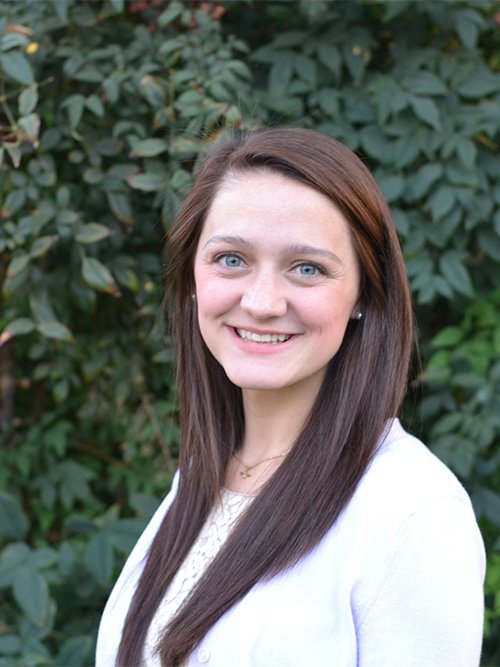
(273,419)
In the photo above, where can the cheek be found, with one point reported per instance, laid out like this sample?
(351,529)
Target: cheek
(329,312)
(213,296)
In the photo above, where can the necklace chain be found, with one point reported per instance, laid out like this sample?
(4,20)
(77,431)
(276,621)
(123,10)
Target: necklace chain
(244,474)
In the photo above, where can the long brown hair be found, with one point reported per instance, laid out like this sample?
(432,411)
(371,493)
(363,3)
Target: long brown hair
(362,389)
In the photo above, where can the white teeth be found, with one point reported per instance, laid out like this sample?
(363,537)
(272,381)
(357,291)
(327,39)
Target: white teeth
(264,338)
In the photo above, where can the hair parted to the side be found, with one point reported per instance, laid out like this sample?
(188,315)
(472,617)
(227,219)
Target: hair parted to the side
(362,389)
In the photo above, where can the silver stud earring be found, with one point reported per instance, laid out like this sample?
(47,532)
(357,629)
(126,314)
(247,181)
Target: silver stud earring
(193,296)
(359,315)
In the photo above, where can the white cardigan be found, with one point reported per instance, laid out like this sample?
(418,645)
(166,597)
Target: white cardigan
(397,581)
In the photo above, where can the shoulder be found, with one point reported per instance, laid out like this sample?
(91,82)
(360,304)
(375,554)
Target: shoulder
(403,468)
(407,503)
(426,561)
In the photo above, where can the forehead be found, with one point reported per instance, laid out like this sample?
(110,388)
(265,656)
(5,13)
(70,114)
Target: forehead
(268,202)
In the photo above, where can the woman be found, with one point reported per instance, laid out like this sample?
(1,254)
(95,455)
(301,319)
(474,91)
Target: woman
(305,527)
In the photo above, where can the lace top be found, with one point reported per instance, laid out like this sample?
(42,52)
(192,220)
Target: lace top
(211,538)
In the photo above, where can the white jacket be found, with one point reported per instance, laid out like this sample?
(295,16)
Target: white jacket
(396,582)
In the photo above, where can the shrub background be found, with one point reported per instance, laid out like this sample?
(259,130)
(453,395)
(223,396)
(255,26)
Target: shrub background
(106,108)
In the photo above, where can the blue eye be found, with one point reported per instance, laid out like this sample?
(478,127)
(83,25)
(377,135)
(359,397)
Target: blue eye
(309,270)
(230,261)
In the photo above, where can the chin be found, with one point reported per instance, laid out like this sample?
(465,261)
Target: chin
(263,384)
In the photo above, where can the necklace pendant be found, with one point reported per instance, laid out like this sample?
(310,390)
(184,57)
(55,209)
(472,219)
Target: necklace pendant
(245,474)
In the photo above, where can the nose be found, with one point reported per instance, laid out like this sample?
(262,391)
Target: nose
(264,297)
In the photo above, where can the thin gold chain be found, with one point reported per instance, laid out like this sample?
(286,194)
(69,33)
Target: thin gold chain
(244,474)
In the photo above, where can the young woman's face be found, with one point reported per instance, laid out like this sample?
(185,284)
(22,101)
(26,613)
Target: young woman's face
(277,281)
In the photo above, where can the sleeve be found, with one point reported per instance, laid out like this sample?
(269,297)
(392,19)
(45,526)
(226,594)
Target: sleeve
(428,609)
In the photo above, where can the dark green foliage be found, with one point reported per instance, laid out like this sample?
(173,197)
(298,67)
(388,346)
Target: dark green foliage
(106,107)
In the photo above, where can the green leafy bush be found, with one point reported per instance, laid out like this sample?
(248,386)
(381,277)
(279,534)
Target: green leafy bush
(104,119)
(106,109)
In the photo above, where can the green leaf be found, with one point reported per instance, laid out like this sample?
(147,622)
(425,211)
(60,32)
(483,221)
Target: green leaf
(13,521)
(173,11)
(41,306)
(111,89)
(10,645)
(75,105)
(480,83)
(401,221)
(447,337)
(488,501)
(456,451)
(120,206)
(441,202)
(455,273)
(149,148)
(93,232)
(376,144)
(60,391)
(329,56)
(17,264)
(427,110)
(11,40)
(16,66)
(55,330)
(306,69)
(144,504)
(96,275)
(74,479)
(88,74)
(94,104)
(108,146)
(490,244)
(124,533)
(425,83)
(289,38)
(467,24)
(184,147)
(14,201)
(42,244)
(76,651)
(20,326)
(31,593)
(424,179)
(147,182)
(28,100)
(99,558)
(43,557)
(391,186)
(466,151)
(329,101)
(188,98)
(280,74)
(354,58)
(127,278)
(30,126)
(14,152)
(61,7)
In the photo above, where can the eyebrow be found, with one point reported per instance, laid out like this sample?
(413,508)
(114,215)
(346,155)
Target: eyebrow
(291,248)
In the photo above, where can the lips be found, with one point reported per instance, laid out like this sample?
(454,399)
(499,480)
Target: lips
(273,338)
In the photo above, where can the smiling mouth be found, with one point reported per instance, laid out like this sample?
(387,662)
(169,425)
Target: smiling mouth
(274,339)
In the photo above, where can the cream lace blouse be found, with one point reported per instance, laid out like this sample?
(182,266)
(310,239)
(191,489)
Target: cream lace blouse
(211,538)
